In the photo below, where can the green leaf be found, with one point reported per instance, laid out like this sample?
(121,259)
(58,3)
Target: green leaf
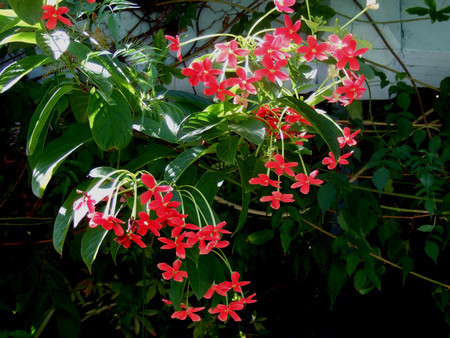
(250,167)
(286,234)
(380,178)
(8,20)
(55,153)
(418,137)
(53,44)
(360,280)
(18,69)
(90,244)
(210,183)
(29,11)
(176,293)
(79,103)
(427,180)
(101,77)
(407,264)
(23,37)
(227,149)
(352,263)
(417,11)
(201,273)
(251,129)
(403,100)
(321,122)
(355,110)
(435,144)
(113,26)
(432,250)
(325,197)
(110,122)
(261,237)
(337,278)
(175,168)
(42,116)
(426,228)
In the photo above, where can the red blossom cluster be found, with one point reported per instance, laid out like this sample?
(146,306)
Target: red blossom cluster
(158,199)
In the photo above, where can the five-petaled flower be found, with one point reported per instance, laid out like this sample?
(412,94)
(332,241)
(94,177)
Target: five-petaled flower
(348,138)
(225,310)
(290,31)
(53,15)
(276,198)
(175,45)
(265,181)
(173,271)
(178,244)
(284,5)
(314,50)
(234,284)
(229,52)
(304,181)
(281,166)
(331,162)
(188,312)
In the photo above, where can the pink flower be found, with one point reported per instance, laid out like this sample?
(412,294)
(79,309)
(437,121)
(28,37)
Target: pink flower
(225,310)
(313,50)
(270,49)
(264,180)
(272,70)
(281,166)
(234,284)
(53,15)
(108,222)
(248,300)
(348,138)
(290,31)
(91,1)
(175,45)
(345,51)
(304,181)
(276,198)
(283,5)
(242,80)
(188,312)
(219,89)
(201,71)
(229,52)
(172,271)
(351,89)
(216,288)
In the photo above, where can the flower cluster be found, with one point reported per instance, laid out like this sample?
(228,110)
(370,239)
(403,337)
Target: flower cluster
(170,228)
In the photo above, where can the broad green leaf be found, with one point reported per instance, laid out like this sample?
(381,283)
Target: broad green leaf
(113,26)
(201,273)
(432,250)
(18,69)
(435,144)
(79,50)
(337,277)
(322,123)
(380,178)
(417,11)
(427,180)
(8,19)
(42,116)
(110,122)
(261,237)
(355,110)
(64,218)
(55,153)
(201,126)
(176,293)
(185,97)
(426,228)
(418,137)
(29,11)
(210,183)
(101,77)
(90,244)
(286,234)
(360,280)
(251,129)
(325,197)
(403,100)
(250,167)
(227,149)
(407,264)
(24,37)
(352,263)
(53,44)
(175,168)
(79,103)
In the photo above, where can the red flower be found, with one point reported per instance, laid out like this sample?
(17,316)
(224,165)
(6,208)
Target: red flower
(216,288)
(163,205)
(178,245)
(108,222)
(352,89)
(304,181)
(173,271)
(313,50)
(270,49)
(201,71)
(242,80)
(175,45)
(348,138)
(188,312)
(126,239)
(281,166)
(330,161)
(218,89)
(229,53)
(292,117)
(91,1)
(234,284)
(283,5)
(215,231)
(248,300)
(264,180)
(276,198)
(272,70)
(225,310)
(345,51)
(53,15)
(145,223)
(150,183)
(290,31)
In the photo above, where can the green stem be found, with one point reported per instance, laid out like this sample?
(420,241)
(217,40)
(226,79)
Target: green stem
(354,18)
(261,19)
(391,193)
